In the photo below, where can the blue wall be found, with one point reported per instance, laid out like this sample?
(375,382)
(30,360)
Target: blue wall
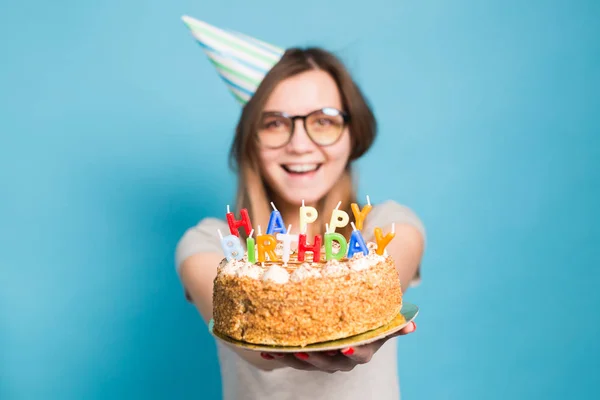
(114,129)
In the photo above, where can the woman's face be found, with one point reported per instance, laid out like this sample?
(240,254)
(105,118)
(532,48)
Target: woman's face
(301,169)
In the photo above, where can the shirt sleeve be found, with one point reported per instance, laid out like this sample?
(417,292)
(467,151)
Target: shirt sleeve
(391,212)
(202,238)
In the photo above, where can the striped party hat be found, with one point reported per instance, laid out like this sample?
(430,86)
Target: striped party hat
(241,61)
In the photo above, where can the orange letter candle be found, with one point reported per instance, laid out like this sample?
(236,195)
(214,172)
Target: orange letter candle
(360,215)
(266,244)
(383,241)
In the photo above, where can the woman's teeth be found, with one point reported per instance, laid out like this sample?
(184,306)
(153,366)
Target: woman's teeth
(300,168)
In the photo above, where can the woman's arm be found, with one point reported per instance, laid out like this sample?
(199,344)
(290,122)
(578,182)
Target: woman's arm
(198,272)
(406,248)
(408,245)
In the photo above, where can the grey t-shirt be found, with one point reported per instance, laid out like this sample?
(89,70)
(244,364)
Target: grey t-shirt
(377,379)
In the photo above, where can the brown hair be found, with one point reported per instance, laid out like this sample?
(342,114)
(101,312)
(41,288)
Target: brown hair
(253,192)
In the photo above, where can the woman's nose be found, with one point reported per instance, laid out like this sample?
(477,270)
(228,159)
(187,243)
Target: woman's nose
(300,142)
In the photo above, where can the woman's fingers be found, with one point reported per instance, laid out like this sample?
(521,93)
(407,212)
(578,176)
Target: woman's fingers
(321,361)
(291,361)
(410,328)
(326,362)
(363,354)
(332,361)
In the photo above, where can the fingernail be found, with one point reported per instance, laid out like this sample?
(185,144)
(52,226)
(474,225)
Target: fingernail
(277,355)
(348,352)
(331,352)
(414,326)
(302,356)
(266,356)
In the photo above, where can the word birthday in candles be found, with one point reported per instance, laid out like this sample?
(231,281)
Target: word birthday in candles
(262,248)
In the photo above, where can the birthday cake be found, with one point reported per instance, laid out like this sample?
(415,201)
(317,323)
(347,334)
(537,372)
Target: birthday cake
(271,294)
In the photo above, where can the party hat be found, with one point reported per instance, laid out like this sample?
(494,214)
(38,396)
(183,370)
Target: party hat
(241,61)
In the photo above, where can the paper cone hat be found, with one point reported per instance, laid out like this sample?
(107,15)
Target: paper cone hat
(240,60)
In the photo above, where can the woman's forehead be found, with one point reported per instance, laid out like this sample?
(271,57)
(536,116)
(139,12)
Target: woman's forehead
(303,93)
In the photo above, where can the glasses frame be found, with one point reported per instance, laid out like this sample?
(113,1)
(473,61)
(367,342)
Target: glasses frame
(293,118)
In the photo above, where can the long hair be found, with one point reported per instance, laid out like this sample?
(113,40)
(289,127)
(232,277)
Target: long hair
(253,191)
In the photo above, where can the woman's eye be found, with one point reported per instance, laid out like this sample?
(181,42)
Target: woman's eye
(323,121)
(273,124)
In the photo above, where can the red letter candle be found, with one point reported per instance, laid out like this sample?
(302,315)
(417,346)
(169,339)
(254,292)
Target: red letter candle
(303,247)
(234,224)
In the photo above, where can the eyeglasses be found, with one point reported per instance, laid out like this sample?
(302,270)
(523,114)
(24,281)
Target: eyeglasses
(324,127)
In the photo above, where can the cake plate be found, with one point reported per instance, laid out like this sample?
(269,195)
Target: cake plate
(406,315)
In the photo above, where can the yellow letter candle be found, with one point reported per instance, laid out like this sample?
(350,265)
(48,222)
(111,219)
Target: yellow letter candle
(383,241)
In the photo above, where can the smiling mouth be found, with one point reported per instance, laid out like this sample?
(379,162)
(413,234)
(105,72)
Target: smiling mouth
(300,169)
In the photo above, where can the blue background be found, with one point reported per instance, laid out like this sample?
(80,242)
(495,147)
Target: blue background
(114,132)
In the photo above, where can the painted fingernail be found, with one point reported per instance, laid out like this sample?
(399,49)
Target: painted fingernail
(278,355)
(414,326)
(331,353)
(266,356)
(348,352)
(302,356)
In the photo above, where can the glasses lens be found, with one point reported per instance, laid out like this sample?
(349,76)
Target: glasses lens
(325,126)
(274,130)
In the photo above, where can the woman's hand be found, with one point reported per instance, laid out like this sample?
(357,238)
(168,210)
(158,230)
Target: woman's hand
(333,361)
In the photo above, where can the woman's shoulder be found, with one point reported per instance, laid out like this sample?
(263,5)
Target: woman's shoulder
(206,229)
(390,211)
(210,224)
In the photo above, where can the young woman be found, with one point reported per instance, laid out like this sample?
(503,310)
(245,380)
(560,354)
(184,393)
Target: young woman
(296,140)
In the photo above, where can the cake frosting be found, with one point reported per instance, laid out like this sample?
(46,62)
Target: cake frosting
(276,274)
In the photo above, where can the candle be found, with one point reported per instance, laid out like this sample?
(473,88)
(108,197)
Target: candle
(251,248)
(276,224)
(231,246)
(287,239)
(308,215)
(335,237)
(234,224)
(315,248)
(357,243)
(266,246)
(383,241)
(339,219)
(359,215)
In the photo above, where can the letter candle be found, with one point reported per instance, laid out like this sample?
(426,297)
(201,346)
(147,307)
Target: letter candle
(251,248)
(266,245)
(357,243)
(382,241)
(231,246)
(303,247)
(331,237)
(360,215)
(308,215)
(339,219)
(287,239)
(234,224)
(276,224)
